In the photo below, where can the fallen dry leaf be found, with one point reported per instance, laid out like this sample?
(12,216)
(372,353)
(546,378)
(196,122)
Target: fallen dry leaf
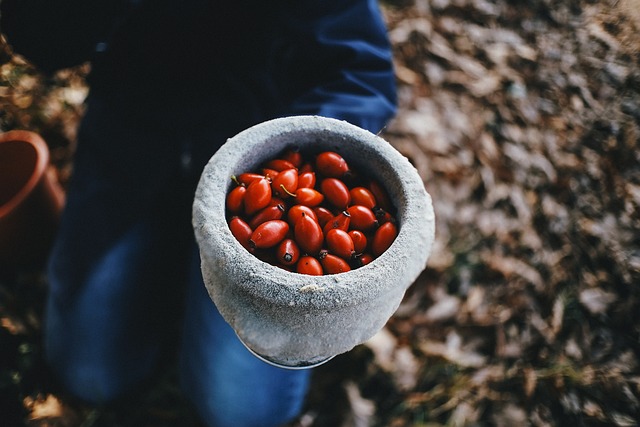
(47,407)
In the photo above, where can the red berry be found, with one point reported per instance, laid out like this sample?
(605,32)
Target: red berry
(331,164)
(257,196)
(235,199)
(382,198)
(295,212)
(341,221)
(307,179)
(323,214)
(309,197)
(306,167)
(269,234)
(333,264)
(363,259)
(279,165)
(285,183)
(288,252)
(340,243)
(382,216)
(362,196)
(336,192)
(383,238)
(309,265)
(362,218)
(308,234)
(359,241)
(241,231)
(293,156)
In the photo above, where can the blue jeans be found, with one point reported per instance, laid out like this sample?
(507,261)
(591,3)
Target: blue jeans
(125,283)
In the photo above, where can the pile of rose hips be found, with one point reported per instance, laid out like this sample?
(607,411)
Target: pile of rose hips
(310,215)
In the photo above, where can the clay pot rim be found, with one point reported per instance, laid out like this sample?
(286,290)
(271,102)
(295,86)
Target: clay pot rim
(42,160)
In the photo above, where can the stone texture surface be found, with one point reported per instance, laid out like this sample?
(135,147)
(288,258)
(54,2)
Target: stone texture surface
(298,320)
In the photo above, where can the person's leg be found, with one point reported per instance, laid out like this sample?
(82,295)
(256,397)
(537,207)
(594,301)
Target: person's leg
(227,384)
(104,339)
(115,268)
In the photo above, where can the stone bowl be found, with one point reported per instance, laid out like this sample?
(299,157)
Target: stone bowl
(294,320)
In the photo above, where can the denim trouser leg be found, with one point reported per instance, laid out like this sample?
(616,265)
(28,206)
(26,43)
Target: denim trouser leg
(227,384)
(117,267)
(104,344)
(103,339)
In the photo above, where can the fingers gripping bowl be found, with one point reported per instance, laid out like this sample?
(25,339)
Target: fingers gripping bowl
(295,320)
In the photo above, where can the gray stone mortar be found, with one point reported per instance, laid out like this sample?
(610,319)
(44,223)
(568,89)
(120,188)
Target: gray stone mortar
(296,320)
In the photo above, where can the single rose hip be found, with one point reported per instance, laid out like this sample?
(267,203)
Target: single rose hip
(363,259)
(285,183)
(306,167)
(362,196)
(279,165)
(288,252)
(331,164)
(235,199)
(241,231)
(295,212)
(341,221)
(340,243)
(293,156)
(323,214)
(333,264)
(383,238)
(308,234)
(306,180)
(382,216)
(276,201)
(359,241)
(309,265)
(309,197)
(335,192)
(362,218)
(382,198)
(269,234)
(257,196)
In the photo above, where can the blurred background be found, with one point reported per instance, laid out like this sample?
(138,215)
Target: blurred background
(523,119)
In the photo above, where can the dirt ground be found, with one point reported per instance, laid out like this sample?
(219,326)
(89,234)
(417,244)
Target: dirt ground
(523,119)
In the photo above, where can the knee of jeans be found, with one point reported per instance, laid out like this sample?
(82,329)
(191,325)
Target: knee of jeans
(87,380)
(248,412)
(88,375)
(233,400)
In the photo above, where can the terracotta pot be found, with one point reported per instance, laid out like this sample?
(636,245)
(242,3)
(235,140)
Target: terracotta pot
(31,200)
(295,320)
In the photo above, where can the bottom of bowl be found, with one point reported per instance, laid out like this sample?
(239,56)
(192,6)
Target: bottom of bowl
(297,366)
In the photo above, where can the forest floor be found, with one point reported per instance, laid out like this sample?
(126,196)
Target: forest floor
(523,119)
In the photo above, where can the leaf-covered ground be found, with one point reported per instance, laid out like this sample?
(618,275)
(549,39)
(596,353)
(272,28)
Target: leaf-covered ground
(523,118)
